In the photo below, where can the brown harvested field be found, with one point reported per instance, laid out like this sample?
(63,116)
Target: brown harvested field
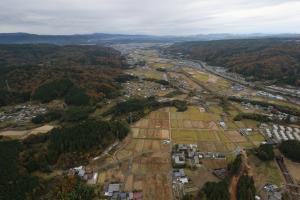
(14,133)
(147,145)
(101,178)
(264,172)
(122,154)
(153,164)
(160,114)
(139,145)
(156,145)
(112,175)
(194,113)
(143,123)
(235,136)
(174,123)
(138,185)
(42,129)
(135,132)
(207,146)
(158,123)
(230,146)
(187,124)
(220,147)
(195,124)
(215,164)
(294,169)
(223,138)
(212,79)
(148,173)
(157,186)
(165,134)
(21,134)
(194,136)
(203,173)
(129,184)
(213,126)
(154,126)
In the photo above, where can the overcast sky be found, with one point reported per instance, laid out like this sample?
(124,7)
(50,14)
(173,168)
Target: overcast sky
(159,17)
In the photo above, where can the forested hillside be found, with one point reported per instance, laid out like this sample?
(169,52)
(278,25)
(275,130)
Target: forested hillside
(61,148)
(24,69)
(257,59)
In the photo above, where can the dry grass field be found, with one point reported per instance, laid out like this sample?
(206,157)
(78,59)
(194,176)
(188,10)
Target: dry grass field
(294,169)
(146,72)
(154,126)
(214,82)
(264,172)
(21,134)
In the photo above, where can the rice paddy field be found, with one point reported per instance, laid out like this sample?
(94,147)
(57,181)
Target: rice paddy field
(144,161)
(146,72)
(215,83)
(196,126)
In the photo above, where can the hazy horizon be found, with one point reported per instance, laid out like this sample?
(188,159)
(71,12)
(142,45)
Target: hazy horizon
(155,35)
(140,17)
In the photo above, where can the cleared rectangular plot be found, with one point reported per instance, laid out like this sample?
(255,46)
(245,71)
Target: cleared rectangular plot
(152,133)
(223,137)
(256,138)
(235,136)
(174,123)
(246,145)
(143,123)
(220,147)
(230,146)
(207,147)
(193,135)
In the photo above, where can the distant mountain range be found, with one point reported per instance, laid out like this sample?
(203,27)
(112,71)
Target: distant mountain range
(103,38)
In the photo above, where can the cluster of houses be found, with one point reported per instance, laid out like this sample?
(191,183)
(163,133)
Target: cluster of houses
(223,124)
(274,114)
(278,133)
(22,113)
(86,173)
(250,106)
(273,192)
(220,173)
(179,176)
(113,192)
(290,90)
(237,87)
(141,88)
(180,82)
(246,131)
(185,154)
(188,155)
(269,95)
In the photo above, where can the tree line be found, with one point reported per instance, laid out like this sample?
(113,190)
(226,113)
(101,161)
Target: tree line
(136,108)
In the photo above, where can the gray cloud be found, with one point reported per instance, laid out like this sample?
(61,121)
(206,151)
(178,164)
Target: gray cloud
(160,17)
